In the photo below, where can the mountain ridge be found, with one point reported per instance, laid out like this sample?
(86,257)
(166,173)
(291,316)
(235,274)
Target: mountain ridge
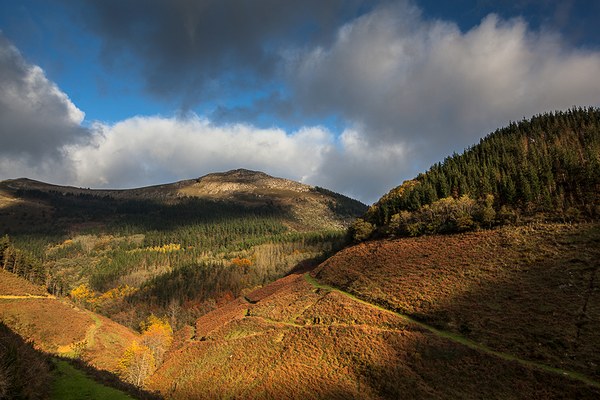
(239,175)
(310,207)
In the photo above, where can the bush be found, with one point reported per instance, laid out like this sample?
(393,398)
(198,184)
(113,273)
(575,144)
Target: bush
(361,230)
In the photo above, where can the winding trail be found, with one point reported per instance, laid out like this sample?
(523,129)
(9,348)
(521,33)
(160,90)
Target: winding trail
(90,335)
(460,339)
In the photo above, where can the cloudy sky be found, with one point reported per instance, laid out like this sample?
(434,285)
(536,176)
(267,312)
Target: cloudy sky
(352,95)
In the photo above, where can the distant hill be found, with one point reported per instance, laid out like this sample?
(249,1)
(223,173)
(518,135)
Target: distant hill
(547,167)
(300,207)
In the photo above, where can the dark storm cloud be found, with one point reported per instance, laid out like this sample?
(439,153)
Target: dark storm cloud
(36,118)
(194,50)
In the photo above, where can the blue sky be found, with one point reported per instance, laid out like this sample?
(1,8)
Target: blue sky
(353,95)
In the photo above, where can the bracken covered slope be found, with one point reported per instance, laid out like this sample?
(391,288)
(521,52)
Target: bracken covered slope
(58,327)
(511,323)
(531,291)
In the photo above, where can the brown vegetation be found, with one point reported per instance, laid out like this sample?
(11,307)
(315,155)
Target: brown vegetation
(528,291)
(12,285)
(295,340)
(58,327)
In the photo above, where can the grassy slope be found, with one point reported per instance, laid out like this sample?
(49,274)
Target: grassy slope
(27,373)
(298,340)
(55,326)
(528,291)
(73,384)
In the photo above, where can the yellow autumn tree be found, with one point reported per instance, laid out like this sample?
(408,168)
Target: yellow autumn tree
(157,335)
(137,364)
(141,359)
(83,295)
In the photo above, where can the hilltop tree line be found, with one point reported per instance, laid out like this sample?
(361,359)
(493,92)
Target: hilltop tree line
(547,167)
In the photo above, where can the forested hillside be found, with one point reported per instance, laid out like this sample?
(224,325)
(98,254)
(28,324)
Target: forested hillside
(547,167)
(176,249)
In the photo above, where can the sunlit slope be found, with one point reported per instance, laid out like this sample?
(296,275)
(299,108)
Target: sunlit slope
(531,291)
(58,327)
(298,339)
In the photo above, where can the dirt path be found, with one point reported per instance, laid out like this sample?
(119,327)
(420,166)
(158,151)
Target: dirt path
(25,297)
(74,349)
(461,339)
(90,335)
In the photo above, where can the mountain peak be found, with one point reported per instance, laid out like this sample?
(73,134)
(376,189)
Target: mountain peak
(240,174)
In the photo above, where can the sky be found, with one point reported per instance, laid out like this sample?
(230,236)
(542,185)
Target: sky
(352,95)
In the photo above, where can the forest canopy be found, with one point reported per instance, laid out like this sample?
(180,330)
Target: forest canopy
(546,167)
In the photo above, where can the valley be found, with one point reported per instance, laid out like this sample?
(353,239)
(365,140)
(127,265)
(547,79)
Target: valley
(224,233)
(477,279)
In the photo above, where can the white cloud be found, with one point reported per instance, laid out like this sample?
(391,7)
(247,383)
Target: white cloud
(151,150)
(359,167)
(404,79)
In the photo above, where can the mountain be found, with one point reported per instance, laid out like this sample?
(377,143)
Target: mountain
(545,168)
(301,207)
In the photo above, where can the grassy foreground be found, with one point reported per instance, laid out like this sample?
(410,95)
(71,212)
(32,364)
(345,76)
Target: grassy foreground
(73,384)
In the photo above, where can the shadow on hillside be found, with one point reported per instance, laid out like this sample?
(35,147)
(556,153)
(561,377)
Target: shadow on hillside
(535,295)
(27,373)
(57,213)
(110,379)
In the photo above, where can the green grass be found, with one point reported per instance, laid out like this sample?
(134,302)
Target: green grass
(73,384)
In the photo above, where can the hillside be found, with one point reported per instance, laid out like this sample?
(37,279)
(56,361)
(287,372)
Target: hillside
(545,168)
(177,249)
(530,291)
(49,348)
(59,327)
(489,317)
